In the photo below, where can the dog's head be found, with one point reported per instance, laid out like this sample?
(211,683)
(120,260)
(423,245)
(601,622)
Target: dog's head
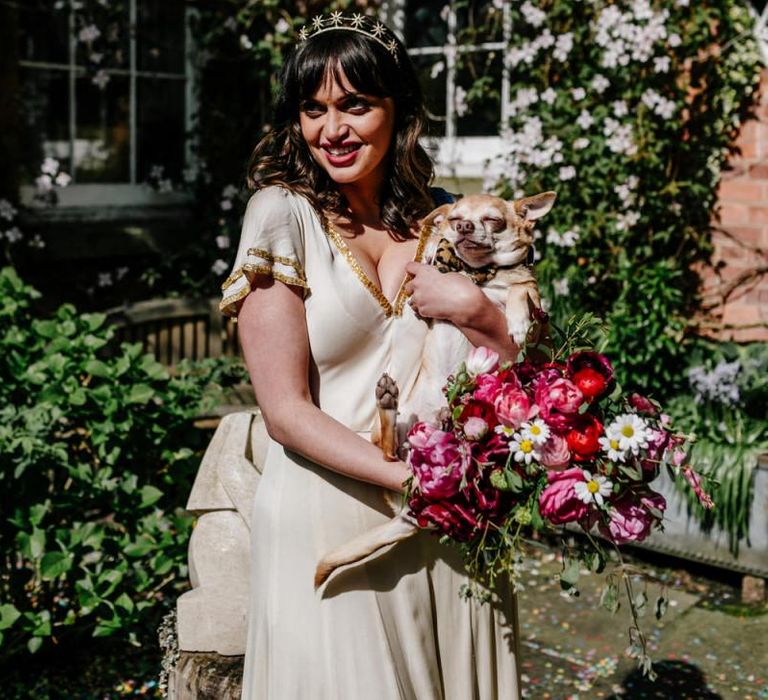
(486,230)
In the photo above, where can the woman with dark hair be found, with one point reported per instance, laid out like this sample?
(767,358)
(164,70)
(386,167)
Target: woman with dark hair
(330,253)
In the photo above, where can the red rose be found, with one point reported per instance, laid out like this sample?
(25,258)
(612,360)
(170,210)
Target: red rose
(583,440)
(451,519)
(591,382)
(479,409)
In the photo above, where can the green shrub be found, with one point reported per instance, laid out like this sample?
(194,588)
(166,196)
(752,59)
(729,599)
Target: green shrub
(97,454)
(628,110)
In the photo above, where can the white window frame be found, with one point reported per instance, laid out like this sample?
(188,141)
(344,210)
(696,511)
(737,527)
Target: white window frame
(459,156)
(131,193)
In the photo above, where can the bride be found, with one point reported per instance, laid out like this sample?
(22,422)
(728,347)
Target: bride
(329,256)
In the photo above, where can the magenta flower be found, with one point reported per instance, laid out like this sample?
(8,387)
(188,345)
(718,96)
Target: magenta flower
(558,400)
(439,463)
(487,386)
(630,519)
(558,502)
(554,453)
(513,407)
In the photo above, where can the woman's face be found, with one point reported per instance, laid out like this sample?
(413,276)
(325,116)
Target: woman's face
(348,133)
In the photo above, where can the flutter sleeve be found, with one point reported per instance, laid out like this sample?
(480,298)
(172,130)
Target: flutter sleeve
(271,244)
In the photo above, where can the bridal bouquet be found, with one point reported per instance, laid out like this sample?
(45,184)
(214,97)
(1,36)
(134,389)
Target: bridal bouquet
(530,446)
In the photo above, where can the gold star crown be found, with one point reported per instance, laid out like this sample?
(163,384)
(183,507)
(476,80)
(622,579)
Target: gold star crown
(351,23)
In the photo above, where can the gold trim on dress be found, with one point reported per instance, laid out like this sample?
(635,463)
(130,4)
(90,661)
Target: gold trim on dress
(396,307)
(261,253)
(344,249)
(402,295)
(251,268)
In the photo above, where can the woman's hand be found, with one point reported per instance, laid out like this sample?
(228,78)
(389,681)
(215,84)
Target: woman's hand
(448,296)
(452,297)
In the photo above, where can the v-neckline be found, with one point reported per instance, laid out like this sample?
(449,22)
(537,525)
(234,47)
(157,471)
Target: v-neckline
(389,307)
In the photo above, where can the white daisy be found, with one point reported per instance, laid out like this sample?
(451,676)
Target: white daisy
(523,449)
(631,432)
(611,447)
(504,430)
(594,489)
(536,431)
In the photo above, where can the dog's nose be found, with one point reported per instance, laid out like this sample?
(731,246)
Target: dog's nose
(464,227)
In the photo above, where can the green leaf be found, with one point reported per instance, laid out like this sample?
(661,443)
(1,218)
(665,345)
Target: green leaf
(140,393)
(569,576)
(34,644)
(662,603)
(150,495)
(8,615)
(609,598)
(123,601)
(54,564)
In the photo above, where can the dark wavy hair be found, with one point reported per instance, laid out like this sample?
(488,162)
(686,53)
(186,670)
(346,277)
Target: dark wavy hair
(283,158)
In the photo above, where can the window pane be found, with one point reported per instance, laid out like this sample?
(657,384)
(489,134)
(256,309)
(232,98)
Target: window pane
(45,109)
(425,26)
(43,33)
(479,75)
(102,143)
(102,31)
(432,76)
(160,35)
(478,21)
(161,126)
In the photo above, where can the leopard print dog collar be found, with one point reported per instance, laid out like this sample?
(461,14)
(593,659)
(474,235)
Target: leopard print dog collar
(446,260)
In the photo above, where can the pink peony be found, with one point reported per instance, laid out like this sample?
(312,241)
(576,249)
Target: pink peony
(630,517)
(482,360)
(558,400)
(513,407)
(554,453)
(558,502)
(420,433)
(439,464)
(486,387)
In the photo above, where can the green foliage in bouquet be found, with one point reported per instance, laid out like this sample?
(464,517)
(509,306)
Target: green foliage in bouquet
(97,453)
(728,415)
(628,110)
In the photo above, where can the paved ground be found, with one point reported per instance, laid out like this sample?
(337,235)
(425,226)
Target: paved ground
(707,646)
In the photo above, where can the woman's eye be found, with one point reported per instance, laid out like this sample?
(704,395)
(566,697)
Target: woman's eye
(357,106)
(311,108)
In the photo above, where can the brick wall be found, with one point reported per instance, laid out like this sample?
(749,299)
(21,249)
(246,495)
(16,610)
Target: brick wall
(735,288)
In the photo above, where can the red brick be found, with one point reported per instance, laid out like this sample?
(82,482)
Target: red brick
(750,150)
(759,171)
(733,214)
(758,215)
(741,190)
(743,234)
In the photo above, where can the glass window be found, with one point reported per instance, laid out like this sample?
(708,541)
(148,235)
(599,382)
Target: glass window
(113,98)
(458,48)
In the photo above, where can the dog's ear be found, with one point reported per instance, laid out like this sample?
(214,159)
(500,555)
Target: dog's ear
(437,216)
(530,208)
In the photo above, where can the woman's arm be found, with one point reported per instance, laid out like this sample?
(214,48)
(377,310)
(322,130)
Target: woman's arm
(273,335)
(453,297)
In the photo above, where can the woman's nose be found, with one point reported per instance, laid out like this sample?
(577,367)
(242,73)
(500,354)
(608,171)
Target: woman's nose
(335,128)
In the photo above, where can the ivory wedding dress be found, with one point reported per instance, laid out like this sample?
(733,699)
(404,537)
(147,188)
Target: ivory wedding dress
(393,627)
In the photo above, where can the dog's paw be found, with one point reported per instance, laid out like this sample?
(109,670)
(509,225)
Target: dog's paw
(387,392)
(518,331)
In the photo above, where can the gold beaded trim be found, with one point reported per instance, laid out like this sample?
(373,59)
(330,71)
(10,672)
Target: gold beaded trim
(424,235)
(258,252)
(261,253)
(341,244)
(399,302)
(266,270)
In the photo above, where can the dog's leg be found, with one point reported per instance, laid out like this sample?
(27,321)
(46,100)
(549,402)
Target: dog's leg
(518,314)
(386,404)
